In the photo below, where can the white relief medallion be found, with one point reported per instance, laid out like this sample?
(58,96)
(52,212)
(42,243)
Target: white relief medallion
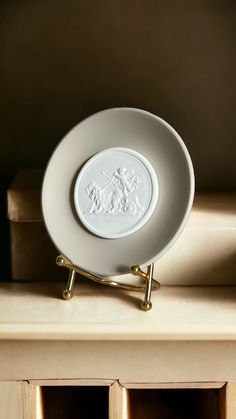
(116,192)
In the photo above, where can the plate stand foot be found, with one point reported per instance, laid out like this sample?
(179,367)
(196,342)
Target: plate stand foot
(146,304)
(68,292)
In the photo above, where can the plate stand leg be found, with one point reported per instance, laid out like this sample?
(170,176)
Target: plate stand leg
(146,304)
(68,292)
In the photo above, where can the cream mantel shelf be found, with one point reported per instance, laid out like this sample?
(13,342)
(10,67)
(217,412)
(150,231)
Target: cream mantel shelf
(101,338)
(35,311)
(188,336)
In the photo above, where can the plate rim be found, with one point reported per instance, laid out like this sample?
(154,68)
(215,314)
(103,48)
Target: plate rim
(191,178)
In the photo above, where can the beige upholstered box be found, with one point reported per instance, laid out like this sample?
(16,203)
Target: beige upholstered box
(32,252)
(203,255)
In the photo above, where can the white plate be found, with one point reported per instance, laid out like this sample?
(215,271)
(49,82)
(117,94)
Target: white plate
(98,242)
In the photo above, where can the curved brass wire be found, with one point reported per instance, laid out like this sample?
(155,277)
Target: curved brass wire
(135,270)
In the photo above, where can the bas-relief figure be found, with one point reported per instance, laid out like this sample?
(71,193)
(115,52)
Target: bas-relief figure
(113,196)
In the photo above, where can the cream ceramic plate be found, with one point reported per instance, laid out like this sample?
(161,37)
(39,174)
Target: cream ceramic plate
(117,191)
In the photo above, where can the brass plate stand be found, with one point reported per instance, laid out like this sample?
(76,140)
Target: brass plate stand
(150,283)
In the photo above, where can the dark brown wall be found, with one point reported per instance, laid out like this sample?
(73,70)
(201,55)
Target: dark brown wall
(65,59)
(62,60)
